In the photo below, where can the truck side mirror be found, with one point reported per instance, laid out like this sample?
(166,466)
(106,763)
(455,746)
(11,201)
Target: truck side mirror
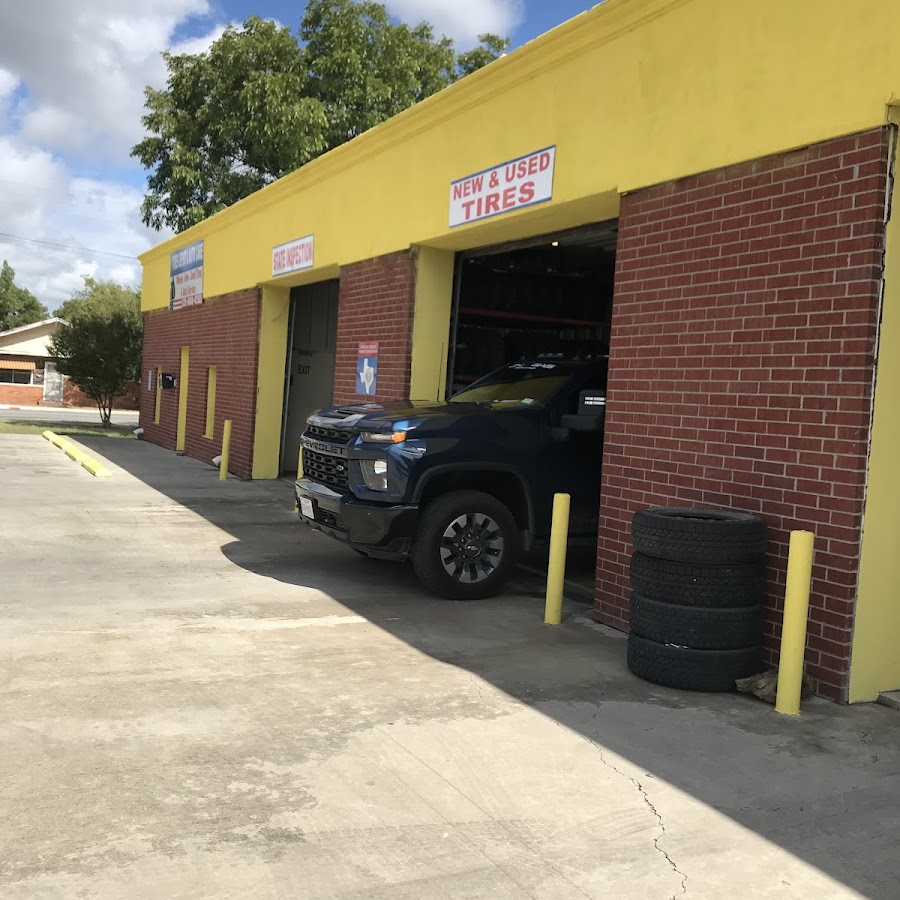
(591,414)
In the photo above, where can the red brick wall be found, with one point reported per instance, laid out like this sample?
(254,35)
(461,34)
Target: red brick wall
(742,353)
(376,304)
(222,332)
(21,394)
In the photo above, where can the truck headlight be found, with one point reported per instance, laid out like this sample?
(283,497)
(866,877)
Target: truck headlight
(375,474)
(384,437)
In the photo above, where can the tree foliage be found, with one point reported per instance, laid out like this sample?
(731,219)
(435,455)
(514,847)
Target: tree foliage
(100,346)
(18,306)
(262,102)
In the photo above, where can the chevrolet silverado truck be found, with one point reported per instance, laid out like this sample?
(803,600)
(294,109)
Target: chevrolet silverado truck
(461,488)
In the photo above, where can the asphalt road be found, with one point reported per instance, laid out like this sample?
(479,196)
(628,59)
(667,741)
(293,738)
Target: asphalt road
(68,416)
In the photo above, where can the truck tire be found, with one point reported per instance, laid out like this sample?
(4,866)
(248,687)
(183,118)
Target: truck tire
(691,626)
(712,536)
(689,669)
(467,545)
(694,584)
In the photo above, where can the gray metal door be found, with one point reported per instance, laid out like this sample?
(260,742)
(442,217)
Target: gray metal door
(310,376)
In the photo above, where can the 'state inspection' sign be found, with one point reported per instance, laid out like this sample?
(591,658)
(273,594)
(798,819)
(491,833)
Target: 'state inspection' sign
(186,276)
(293,256)
(511,185)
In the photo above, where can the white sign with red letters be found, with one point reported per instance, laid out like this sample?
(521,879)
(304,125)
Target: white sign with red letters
(511,185)
(293,256)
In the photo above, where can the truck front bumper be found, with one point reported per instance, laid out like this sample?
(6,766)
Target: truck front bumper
(381,530)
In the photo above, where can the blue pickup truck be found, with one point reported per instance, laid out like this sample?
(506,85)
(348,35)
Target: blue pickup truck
(461,488)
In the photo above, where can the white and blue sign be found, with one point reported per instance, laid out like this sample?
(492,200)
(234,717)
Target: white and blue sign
(367,375)
(186,274)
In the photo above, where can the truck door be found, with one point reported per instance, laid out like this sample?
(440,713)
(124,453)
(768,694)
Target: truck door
(574,453)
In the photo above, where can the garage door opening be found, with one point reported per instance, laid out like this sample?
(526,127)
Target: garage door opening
(309,373)
(549,295)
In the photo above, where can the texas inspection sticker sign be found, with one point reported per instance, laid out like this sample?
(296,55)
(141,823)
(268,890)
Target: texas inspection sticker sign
(511,185)
(367,368)
(186,274)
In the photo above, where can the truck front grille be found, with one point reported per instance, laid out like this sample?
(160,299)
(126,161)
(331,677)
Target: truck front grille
(327,470)
(329,434)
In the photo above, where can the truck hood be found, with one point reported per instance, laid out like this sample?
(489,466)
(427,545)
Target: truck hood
(372,416)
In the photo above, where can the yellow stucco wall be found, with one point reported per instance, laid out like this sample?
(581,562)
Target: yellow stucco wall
(632,93)
(875,663)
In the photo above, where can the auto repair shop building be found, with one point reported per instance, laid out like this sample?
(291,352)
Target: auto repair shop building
(702,188)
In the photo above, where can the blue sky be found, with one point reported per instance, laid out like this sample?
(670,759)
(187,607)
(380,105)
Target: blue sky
(72,76)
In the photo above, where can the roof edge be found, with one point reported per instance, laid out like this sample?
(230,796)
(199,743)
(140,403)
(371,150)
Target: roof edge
(22,328)
(566,40)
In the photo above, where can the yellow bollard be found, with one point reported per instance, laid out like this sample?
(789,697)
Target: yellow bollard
(793,630)
(226,444)
(556,569)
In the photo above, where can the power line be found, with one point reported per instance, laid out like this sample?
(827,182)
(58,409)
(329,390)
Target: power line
(70,248)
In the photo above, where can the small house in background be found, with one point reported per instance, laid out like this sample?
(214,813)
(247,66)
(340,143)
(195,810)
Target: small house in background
(28,373)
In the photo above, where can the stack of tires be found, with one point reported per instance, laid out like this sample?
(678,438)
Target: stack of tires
(698,582)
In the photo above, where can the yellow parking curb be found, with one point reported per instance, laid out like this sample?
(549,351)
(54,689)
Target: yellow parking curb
(73,452)
(95,468)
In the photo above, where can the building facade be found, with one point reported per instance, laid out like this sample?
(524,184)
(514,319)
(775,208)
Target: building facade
(702,190)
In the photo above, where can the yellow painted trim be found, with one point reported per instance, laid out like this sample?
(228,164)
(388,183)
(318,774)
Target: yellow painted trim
(211,374)
(157,406)
(431,323)
(274,316)
(632,93)
(183,398)
(875,661)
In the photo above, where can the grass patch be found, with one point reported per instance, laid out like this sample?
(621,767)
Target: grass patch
(73,429)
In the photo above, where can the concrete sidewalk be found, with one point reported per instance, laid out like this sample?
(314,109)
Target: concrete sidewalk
(200,698)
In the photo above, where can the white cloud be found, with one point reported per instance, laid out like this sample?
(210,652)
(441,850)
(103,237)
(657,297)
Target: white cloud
(85,66)
(462,20)
(72,77)
(8,83)
(43,202)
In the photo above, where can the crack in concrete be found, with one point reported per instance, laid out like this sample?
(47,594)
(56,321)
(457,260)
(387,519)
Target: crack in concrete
(649,804)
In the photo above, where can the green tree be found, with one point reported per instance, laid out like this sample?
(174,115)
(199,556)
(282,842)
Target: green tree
(100,346)
(261,102)
(18,306)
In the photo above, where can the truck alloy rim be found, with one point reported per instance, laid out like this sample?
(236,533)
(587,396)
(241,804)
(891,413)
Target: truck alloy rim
(471,548)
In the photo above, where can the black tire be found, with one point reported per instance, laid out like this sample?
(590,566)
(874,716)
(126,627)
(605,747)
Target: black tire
(691,626)
(694,584)
(689,669)
(713,536)
(432,556)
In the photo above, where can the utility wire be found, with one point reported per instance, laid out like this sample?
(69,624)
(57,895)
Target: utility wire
(70,248)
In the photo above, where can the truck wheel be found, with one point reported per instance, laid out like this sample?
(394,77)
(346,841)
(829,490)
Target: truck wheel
(467,545)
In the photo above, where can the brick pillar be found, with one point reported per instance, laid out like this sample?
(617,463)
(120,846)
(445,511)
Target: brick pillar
(221,332)
(741,371)
(377,299)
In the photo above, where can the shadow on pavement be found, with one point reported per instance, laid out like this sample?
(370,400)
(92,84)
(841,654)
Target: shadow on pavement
(825,787)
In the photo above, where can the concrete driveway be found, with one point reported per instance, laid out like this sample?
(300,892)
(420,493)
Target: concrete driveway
(201,699)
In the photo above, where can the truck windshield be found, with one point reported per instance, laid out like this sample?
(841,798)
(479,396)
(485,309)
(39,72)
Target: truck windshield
(519,385)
